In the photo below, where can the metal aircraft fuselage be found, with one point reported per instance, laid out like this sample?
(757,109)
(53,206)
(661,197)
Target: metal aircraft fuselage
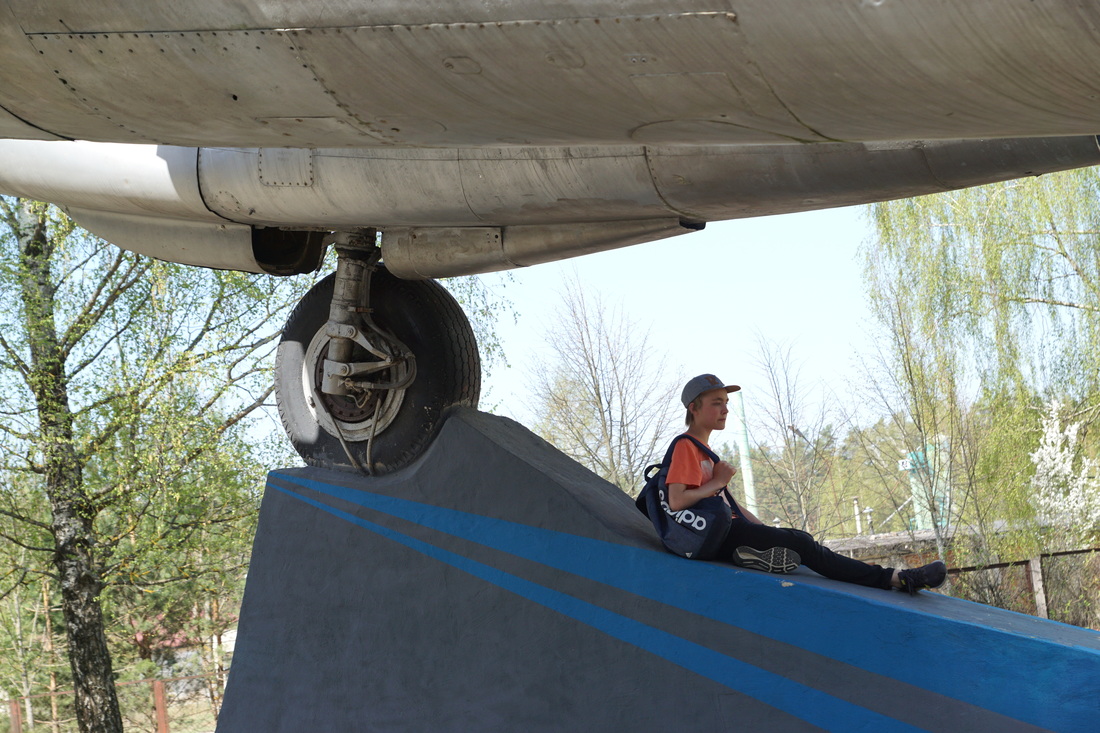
(475,73)
(485,134)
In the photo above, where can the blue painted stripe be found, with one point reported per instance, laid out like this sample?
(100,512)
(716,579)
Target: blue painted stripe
(854,629)
(806,703)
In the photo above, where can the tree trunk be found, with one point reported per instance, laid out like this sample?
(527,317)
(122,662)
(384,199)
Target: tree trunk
(55,726)
(25,683)
(73,511)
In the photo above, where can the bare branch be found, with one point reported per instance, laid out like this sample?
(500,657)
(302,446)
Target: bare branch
(16,360)
(98,304)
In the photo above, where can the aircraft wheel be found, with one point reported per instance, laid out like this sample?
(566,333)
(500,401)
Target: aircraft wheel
(396,425)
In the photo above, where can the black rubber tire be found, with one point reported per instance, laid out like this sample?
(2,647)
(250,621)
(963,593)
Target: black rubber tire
(423,316)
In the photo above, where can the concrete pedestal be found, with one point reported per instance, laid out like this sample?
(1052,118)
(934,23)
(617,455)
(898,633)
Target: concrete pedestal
(495,585)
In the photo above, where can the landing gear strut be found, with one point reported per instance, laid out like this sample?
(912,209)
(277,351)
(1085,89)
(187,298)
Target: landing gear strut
(368,363)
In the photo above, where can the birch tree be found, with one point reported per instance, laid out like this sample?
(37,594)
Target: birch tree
(795,443)
(990,304)
(124,381)
(606,397)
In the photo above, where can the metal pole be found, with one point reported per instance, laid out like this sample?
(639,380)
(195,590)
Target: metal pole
(1035,580)
(743,449)
(16,716)
(160,707)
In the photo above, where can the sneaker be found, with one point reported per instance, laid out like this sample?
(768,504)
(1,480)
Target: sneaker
(931,575)
(771,560)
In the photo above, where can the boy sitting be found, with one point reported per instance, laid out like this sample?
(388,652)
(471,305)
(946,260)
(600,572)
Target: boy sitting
(750,543)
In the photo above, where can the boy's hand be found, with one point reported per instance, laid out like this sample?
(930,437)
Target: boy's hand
(723,472)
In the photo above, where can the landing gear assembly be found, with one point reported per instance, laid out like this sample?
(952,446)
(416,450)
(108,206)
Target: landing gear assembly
(368,363)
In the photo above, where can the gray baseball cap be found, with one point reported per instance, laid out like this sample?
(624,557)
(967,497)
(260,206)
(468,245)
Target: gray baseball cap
(703,383)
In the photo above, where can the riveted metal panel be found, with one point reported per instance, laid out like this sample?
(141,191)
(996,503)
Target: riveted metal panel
(448,251)
(550,202)
(550,81)
(351,188)
(81,16)
(285,166)
(29,92)
(939,68)
(239,87)
(532,185)
(492,72)
(417,253)
(503,186)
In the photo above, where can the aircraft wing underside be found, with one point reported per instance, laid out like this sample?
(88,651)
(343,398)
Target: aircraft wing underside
(459,73)
(470,136)
(484,134)
(453,212)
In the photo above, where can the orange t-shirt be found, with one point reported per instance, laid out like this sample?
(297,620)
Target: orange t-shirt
(691,467)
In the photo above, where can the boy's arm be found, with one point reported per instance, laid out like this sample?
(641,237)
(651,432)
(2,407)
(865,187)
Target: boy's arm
(680,496)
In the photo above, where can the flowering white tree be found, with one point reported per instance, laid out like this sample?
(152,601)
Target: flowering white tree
(1066,487)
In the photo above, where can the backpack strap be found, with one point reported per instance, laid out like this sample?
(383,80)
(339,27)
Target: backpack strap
(640,502)
(648,474)
(710,454)
(698,444)
(693,539)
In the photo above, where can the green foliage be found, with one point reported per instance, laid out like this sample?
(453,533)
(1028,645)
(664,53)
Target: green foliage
(1007,273)
(864,466)
(129,391)
(483,306)
(989,300)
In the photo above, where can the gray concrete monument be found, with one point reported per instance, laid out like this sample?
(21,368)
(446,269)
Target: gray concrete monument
(496,585)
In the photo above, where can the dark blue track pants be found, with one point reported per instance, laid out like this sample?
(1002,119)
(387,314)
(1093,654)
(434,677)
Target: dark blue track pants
(818,558)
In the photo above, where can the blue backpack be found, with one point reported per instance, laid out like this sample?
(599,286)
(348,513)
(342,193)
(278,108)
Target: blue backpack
(696,532)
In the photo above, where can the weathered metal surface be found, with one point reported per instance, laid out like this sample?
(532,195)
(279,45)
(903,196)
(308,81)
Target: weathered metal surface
(146,180)
(447,251)
(229,87)
(224,246)
(472,73)
(144,198)
(73,16)
(729,182)
(437,187)
(13,127)
(543,203)
(594,116)
(526,82)
(515,186)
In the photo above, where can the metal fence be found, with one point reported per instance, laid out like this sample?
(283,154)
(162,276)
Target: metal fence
(173,705)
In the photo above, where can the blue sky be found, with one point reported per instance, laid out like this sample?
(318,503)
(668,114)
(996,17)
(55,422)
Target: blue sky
(795,279)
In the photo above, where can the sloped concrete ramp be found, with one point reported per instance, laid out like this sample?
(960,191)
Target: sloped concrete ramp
(498,586)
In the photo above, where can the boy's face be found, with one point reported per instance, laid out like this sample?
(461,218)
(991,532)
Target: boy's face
(712,410)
